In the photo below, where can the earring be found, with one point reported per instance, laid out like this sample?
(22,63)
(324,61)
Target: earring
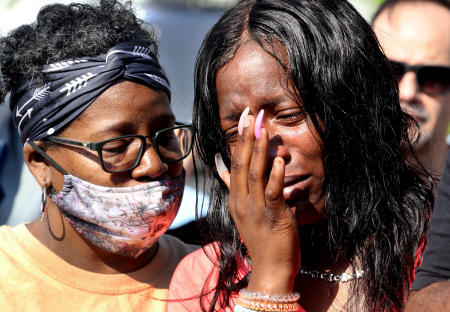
(43,200)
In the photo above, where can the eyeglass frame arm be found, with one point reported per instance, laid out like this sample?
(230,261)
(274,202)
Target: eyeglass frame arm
(48,158)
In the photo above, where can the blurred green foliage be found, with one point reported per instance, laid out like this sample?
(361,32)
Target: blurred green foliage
(374,3)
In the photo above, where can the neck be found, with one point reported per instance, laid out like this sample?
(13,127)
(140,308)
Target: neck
(317,252)
(59,236)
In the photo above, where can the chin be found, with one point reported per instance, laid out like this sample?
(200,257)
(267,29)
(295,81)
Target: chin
(425,140)
(307,213)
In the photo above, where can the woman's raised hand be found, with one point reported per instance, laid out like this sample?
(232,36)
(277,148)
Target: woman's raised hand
(256,203)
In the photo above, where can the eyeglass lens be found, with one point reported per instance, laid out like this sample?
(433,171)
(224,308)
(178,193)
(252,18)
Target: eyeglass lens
(173,144)
(431,79)
(124,153)
(434,80)
(121,154)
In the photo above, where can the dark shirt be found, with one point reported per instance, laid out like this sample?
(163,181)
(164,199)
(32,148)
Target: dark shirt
(436,259)
(11,162)
(3,149)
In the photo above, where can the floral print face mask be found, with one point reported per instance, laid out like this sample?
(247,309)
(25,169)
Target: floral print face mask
(121,220)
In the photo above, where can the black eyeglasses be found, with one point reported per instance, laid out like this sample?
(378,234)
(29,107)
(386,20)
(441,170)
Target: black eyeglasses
(124,153)
(431,79)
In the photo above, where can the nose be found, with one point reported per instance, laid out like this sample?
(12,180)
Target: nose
(408,87)
(277,147)
(150,166)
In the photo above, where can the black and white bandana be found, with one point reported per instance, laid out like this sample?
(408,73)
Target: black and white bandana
(70,86)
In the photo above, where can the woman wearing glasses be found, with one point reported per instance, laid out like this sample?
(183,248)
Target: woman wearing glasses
(91,105)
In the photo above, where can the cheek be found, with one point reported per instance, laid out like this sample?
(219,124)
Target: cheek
(57,180)
(57,177)
(175,169)
(440,108)
(432,105)
(82,164)
(303,142)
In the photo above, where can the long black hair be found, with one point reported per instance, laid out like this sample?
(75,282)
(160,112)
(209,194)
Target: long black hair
(377,207)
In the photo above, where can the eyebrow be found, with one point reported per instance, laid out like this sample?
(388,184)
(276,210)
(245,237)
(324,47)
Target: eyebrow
(119,126)
(235,114)
(126,124)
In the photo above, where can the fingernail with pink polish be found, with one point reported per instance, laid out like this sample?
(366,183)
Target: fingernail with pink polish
(258,124)
(241,120)
(220,165)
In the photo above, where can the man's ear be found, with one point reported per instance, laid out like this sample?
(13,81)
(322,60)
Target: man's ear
(37,164)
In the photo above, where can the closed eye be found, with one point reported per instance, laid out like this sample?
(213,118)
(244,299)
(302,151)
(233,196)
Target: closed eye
(289,116)
(115,150)
(231,137)
(297,116)
(118,146)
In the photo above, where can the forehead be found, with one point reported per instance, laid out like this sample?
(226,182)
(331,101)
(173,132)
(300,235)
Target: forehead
(416,33)
(125,103)
(251,76)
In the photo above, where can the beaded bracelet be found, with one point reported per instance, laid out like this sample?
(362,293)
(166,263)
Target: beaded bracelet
(267,306)
(293,297)
(238,308)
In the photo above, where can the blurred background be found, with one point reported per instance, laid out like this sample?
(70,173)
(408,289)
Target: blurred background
(181,26)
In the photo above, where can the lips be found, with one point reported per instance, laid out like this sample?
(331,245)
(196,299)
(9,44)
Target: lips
(295,187)
(417,111)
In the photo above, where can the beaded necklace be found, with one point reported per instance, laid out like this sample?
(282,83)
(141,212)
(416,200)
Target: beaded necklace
(332,277)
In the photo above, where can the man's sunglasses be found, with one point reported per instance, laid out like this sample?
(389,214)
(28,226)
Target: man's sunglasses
(431,79)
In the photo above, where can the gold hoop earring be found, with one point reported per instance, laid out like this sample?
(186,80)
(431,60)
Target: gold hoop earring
(43,200)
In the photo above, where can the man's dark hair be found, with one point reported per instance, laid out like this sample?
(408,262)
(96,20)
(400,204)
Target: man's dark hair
(388,4)
(377,206)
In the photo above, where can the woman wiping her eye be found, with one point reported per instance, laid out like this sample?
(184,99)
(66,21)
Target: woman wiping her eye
(92,106)
(313,206)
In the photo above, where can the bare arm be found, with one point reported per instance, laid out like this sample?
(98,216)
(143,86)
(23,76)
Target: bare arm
(433,298)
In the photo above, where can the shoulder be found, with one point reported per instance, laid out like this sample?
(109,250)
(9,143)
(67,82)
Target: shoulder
(5,230)
(10,233)
(17,245)
(180,248)
(195,277)
(16,264)
(171,252)
(436,260)
(196,265)
(6,235)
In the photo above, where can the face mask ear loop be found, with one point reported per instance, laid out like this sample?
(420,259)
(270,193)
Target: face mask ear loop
(43,200)
(48,158)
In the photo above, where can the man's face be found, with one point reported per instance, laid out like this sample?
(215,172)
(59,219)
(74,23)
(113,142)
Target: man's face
(417,33)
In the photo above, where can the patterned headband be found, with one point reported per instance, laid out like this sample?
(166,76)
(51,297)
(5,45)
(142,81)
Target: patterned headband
(70,86)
